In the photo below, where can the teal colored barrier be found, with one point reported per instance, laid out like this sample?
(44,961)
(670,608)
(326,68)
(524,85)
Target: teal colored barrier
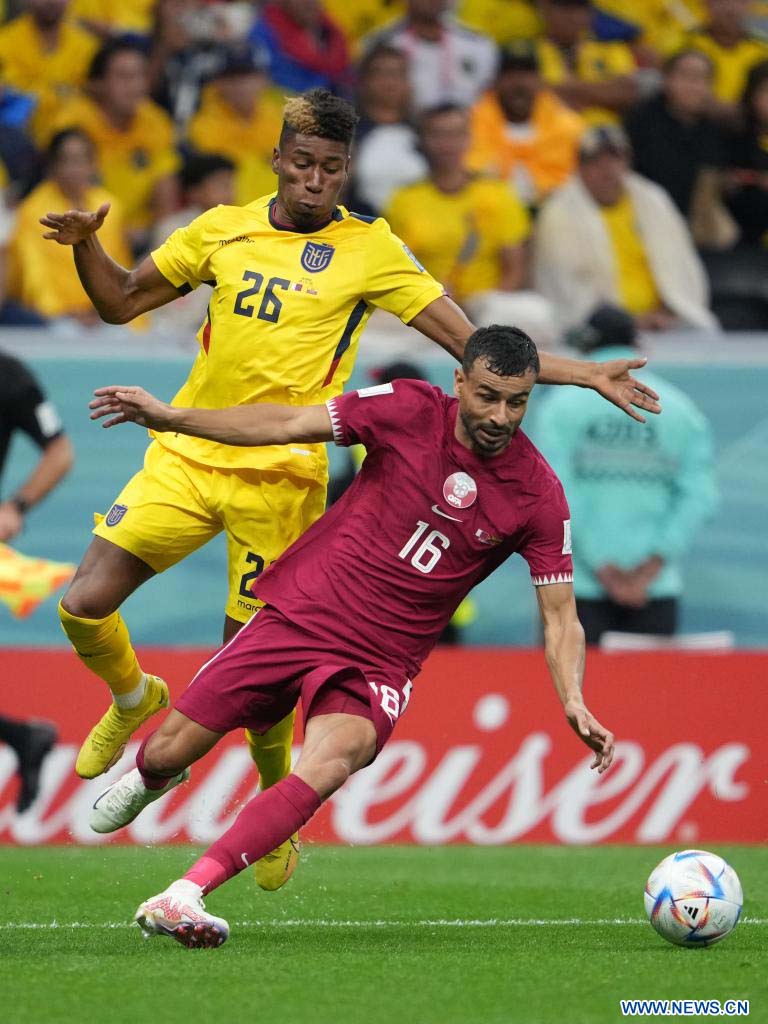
(727,570)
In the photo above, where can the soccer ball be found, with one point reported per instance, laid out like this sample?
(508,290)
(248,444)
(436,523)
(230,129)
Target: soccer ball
(693,898)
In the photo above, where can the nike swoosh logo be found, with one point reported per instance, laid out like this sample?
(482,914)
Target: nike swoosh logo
(245,860)
(445,514)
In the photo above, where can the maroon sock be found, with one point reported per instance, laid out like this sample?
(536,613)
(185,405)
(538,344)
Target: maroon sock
(150,781)
(263,824)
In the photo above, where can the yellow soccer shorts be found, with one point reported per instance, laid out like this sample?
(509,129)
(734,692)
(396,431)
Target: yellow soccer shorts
(174,506)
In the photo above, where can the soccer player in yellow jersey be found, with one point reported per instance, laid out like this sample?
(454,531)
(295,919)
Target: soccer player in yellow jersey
(295,277)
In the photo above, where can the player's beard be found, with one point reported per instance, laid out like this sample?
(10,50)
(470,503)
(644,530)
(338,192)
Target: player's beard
(484,442)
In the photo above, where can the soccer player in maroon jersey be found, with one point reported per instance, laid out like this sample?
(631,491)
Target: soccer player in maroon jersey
(449,489)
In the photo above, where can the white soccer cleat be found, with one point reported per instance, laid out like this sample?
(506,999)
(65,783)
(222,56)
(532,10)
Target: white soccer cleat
(180,913)
(126,799)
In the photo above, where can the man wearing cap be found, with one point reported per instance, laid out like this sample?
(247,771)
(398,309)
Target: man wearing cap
(638,497)
(610,235)
(521,131)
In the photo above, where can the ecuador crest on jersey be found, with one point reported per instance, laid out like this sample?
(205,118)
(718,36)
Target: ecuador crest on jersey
(316,256)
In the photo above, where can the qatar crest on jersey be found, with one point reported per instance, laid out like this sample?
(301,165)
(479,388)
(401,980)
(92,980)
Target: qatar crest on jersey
(460,490)
(316,256)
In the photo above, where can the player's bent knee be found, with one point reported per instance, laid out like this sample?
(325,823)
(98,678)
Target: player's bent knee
(326,776)
(161,758)
(84,601)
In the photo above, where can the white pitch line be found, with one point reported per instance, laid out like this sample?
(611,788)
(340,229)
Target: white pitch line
(320,923)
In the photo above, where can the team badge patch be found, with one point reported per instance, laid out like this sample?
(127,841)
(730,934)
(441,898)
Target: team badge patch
(487,538)
(115,514)
(316,256)
(460,490)
(567,544)
(413,259)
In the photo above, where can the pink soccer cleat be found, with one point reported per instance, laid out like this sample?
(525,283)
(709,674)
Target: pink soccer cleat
(180,913)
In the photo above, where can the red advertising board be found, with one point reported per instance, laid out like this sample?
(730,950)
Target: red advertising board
(482,755)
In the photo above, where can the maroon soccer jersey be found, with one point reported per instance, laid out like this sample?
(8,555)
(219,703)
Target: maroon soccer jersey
(425,520)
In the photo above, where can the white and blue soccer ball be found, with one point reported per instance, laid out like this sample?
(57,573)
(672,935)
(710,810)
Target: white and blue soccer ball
(693,898)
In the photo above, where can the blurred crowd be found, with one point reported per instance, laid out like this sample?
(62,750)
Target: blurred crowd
(540,157)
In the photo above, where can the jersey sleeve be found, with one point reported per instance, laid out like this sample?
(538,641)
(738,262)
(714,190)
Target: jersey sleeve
(27,409)
(373,416)
(547,543)
(182,258)
(395,280)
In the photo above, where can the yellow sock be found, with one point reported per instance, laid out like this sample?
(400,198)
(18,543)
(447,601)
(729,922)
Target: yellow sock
(104,646)
(272,751)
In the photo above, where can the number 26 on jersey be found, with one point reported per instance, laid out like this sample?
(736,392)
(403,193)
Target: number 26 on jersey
(270,305)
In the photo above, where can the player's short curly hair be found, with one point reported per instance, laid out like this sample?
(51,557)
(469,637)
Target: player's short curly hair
(506,351)
(319,112)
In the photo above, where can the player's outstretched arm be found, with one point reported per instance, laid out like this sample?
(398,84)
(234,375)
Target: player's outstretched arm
(118,295)
(445,323)
(564,652)
(248,426)
(613,380)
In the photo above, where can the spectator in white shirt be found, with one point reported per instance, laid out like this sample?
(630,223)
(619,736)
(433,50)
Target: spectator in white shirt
(448,62)
(386,155)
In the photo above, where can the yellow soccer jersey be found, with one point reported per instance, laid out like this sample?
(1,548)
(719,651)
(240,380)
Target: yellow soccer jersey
(135,16)
(458,235)
(51,75)
(596,61)
(130,162)
(360,18)
(732,64)
(43,276)
(285,316)
(506,21)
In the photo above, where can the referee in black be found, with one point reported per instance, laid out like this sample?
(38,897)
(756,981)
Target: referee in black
(24,408)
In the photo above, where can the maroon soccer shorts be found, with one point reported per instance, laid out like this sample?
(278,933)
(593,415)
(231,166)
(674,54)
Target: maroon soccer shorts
(257,678)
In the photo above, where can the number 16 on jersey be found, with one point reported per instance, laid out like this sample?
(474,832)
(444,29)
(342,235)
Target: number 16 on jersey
(427,554)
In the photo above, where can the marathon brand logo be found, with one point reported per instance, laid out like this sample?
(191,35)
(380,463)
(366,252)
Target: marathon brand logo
(237,238)
(316,256)
(115,514)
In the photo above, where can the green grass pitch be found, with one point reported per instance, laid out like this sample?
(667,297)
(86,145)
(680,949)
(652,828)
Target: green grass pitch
(392,935)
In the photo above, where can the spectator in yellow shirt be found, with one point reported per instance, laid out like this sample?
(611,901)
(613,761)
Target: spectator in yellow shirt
(660,24)
(360,17)
(240,117)
(42,276)
(522,132)
(105,17)
(133,136)
(726,40)
(596,78)
(468,230)
(506,21)
(46,54)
